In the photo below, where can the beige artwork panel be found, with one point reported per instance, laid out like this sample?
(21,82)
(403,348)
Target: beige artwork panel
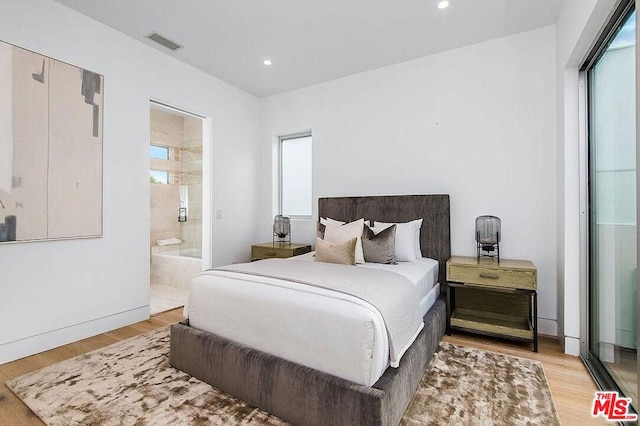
(75,152)
(50,147)
(26,194)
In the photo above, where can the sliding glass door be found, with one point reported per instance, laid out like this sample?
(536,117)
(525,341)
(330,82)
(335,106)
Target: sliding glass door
(612,228)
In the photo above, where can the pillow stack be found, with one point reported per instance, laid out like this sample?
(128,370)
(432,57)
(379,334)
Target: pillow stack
(378,242)
(339,232)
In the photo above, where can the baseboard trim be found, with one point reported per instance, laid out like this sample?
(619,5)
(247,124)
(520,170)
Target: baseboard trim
(31,345)
(547,327)
(571,346)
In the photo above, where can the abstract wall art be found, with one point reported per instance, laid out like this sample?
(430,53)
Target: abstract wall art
(50,148)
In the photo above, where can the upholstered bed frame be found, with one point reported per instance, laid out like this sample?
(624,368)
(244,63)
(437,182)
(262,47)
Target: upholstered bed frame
(304,396)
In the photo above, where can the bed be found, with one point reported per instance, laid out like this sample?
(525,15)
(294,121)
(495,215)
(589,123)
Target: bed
(298,393)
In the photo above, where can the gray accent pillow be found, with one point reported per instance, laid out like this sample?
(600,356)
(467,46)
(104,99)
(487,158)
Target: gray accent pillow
(342,253)
(380,247)
(321,228)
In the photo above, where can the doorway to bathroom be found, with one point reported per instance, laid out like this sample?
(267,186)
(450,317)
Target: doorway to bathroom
(175,180)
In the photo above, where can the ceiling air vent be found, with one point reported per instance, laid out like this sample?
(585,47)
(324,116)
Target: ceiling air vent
(163,41)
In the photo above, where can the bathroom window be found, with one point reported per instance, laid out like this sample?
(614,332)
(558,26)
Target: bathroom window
(162,153)
(159,152)
(295,175)
(159,176)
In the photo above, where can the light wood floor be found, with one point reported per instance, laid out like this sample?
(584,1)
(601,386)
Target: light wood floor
(572,387)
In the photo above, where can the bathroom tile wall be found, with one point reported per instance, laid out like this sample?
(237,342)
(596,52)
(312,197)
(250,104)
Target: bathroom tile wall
(191,175)
(183,136)
(166,130)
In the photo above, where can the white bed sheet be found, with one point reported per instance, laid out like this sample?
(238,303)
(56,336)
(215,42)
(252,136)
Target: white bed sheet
(345,337)
(423,273)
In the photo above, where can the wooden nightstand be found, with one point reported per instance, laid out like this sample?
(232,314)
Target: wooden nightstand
(497,299)
(279,250)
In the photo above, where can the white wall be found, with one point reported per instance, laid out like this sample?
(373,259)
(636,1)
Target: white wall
(55,292)
(478,123)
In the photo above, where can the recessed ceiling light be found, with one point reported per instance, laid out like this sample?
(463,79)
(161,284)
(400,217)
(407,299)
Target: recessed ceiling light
(443,4)
(267,62)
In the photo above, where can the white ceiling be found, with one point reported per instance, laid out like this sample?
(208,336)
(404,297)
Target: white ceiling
(312,41)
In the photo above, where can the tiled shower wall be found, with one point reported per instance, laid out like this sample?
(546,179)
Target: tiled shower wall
(191,175)
(183,136)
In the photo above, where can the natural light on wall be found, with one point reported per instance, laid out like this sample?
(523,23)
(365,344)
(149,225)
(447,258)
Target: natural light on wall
(295,175)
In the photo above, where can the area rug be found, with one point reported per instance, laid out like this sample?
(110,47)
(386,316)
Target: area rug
(132,383)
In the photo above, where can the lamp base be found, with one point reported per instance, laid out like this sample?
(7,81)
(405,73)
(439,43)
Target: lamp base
(277,239)
(489,250)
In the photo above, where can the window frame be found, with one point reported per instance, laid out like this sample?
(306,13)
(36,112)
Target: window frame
(281,139)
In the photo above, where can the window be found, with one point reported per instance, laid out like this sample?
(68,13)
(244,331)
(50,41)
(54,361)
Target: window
(159,152)
(295,175)
(159,176)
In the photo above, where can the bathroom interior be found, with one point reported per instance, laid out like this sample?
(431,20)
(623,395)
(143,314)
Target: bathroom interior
(176,205)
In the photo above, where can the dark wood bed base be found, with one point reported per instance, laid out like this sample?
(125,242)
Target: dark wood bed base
(304,396)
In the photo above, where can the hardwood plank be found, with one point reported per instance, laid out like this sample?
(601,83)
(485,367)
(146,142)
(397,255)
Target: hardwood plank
(123,333)
(168,317)
(12,410)
(62,353)
(571,385)
(24,365)
(96,342)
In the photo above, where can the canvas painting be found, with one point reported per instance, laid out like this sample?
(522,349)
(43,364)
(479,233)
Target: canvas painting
(50,148)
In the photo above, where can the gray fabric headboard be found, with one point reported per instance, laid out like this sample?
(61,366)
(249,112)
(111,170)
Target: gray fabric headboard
(435,234)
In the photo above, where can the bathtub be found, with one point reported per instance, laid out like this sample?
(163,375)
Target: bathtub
(174,265)
(193,253)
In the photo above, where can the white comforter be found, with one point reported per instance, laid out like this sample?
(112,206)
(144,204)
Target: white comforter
(328,331)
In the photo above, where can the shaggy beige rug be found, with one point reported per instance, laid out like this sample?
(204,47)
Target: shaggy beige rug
(132,383)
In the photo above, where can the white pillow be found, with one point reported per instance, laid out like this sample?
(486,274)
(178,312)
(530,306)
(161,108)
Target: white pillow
(340,233)
(407,238)
(328,220)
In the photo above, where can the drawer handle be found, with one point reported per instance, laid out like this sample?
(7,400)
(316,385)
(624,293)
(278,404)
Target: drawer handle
(270,253)
(486,275)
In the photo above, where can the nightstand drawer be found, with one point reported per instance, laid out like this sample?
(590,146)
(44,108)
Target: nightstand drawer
(492,276)
(269,252)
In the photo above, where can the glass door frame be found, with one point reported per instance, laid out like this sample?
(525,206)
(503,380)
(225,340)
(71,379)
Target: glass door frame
(596,368)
